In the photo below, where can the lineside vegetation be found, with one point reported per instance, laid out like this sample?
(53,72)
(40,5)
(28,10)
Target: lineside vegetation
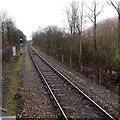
(66,46)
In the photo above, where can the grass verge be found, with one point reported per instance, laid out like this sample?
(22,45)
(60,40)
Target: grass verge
(13,98)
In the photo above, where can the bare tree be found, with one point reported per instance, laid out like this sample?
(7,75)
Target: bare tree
(10,33)
(72,14)
(93,17)
(3,18)
(80,27)
(116,5)
(76,20)
(73,21)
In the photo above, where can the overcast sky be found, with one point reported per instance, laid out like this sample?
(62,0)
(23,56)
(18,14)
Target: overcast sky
(30,14)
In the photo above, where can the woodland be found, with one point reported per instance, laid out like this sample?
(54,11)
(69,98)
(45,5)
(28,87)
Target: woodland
(10,35)
(92,51)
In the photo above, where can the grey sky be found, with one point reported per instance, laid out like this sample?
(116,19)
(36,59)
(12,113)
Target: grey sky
(30,14)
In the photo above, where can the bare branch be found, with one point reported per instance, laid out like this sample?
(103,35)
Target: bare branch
(111,3)
(97,4)
(84,17)
(90,18)
(116,2)
(89,8)
(100,10)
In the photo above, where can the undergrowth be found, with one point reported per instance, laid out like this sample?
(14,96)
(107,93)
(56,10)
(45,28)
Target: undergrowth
(13,98)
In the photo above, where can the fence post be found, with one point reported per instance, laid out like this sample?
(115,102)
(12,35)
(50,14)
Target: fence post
(49,52)
(81,67)
(70,61)
(62,58)
(100,76)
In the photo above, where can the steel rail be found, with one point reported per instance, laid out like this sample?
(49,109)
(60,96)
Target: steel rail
(40,72)
(92,101)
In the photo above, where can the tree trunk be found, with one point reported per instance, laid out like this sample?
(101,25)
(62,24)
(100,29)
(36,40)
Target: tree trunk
(119,31)
(95,41)
(72,43)
(80,49)
(80,52)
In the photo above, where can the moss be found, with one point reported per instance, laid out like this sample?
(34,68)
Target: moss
(13,104)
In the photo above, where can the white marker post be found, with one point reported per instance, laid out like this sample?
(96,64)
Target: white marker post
(14,51)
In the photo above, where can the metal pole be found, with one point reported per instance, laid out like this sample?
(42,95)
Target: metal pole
(0,68)
(21,49)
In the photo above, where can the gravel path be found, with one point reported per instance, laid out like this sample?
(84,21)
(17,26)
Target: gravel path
(105,98)
(36,102)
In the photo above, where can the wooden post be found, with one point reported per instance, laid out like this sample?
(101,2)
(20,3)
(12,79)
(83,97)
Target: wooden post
(62,58)
(100,76)
(81,68)
(70,61)
(48,52)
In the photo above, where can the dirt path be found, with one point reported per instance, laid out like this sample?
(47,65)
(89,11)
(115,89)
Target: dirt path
(36,100)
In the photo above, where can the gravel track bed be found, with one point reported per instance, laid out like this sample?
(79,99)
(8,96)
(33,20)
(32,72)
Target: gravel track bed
(75,106)
(101,95)
(36,102)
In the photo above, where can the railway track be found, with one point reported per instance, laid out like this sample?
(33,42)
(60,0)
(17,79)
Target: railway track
(70,100)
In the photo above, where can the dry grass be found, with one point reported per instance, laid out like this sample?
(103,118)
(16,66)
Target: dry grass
(13,99)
